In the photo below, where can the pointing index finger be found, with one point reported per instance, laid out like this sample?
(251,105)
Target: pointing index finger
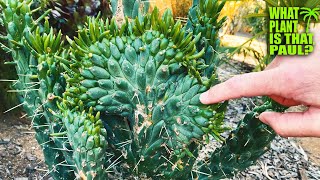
(246,85)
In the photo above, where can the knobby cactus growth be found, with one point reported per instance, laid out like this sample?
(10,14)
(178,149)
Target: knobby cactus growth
(126,98)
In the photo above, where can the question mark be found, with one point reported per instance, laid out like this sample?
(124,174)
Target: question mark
(308,49)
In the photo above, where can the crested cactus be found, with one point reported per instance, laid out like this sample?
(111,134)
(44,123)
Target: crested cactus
(126,98)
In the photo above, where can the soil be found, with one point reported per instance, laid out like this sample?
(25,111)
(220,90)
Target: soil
(312,147)
(20,155)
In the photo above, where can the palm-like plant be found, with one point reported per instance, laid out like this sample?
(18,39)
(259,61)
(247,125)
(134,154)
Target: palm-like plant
(310,13)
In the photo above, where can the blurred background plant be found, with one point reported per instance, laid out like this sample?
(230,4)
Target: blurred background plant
(237,12)
(69,15)
(180,8)
(244,32)
(256,24)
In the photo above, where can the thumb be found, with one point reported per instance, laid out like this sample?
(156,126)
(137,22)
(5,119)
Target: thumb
(305,124)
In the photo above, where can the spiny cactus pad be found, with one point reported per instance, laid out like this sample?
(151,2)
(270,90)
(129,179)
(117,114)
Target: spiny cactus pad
(126,99)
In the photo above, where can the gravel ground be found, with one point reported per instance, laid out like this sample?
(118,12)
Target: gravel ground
(20,155)
(285,160)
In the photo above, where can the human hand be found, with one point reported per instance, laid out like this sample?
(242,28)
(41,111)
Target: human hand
(289,81)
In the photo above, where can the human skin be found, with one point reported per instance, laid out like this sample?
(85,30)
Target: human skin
(289,80)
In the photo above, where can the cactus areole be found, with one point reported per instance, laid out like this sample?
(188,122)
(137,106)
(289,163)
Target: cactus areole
(123,101)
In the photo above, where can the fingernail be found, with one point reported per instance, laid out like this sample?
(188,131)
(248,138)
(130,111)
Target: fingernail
(263,119)
(203,97)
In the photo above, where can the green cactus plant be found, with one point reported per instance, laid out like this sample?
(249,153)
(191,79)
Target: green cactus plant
(126,98)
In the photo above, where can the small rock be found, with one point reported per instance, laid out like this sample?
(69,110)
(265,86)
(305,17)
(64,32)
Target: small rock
(30,169)
(31,157)
(4,141)
(275,148)
(302,174)
(3,153)
(14,150)
(7,140)
(21,178)
(8,171)
(18,143)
